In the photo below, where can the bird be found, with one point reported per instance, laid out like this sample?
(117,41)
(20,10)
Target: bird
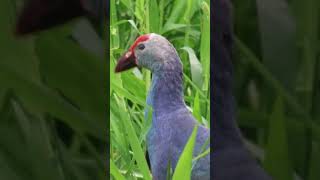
(231,159)
(172,122)
(38,15)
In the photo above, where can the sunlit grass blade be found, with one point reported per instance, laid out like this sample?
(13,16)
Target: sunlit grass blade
(154,16)
(205,45)
(206,152)
(178,8)
(114,30)
(196,68)
(115,172)
(138,153)
(184,165)
(196,108)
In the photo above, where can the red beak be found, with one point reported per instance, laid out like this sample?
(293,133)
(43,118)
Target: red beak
(127,61)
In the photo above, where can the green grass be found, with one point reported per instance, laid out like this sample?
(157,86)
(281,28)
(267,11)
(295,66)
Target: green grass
(186,25)
(52,101)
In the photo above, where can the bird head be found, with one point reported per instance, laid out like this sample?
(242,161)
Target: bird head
(150,51)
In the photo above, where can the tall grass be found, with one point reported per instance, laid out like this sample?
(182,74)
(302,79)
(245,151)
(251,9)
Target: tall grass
(52,101)
(186,24)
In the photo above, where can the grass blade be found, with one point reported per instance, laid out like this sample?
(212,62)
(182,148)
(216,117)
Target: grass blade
(183,168)
(277,148)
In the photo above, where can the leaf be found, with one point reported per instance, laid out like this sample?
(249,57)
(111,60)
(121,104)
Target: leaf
(172,27)
(41,99)
(277,147)
(114,31)
(196,108)
(134,142)
(79,75)
(277,24)
(154,19)
(183,168)
(307,18)
(206,152)
(133,24)
(125,93)
(140,10)
(88,38)
(134,85)
(16,53)
(195,65)
(19,130)
(270,78)
(205,45)
(179,7)
(147,122)
(115,172)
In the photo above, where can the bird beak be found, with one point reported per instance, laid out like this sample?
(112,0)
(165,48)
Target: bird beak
(127,61)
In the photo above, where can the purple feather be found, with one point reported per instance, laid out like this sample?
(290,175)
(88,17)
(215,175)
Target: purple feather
(172,122)
(231,160)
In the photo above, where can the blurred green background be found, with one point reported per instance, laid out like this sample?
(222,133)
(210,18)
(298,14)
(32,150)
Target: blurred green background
(277,84)
(53,88)
(186,24)
(53,97)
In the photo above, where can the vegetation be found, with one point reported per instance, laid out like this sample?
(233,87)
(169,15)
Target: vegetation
(276,84)
(53,94)
(52,101)
(186,25)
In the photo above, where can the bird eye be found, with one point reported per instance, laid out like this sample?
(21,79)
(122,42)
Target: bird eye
(141,46)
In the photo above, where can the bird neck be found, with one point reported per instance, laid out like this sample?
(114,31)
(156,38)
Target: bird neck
(225,129)
(166,92)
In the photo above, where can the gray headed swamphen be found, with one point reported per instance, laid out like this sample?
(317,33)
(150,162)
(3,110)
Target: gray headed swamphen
(172,123)
(231,160)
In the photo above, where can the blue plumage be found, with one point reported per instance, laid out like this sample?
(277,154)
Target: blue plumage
(172,122)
